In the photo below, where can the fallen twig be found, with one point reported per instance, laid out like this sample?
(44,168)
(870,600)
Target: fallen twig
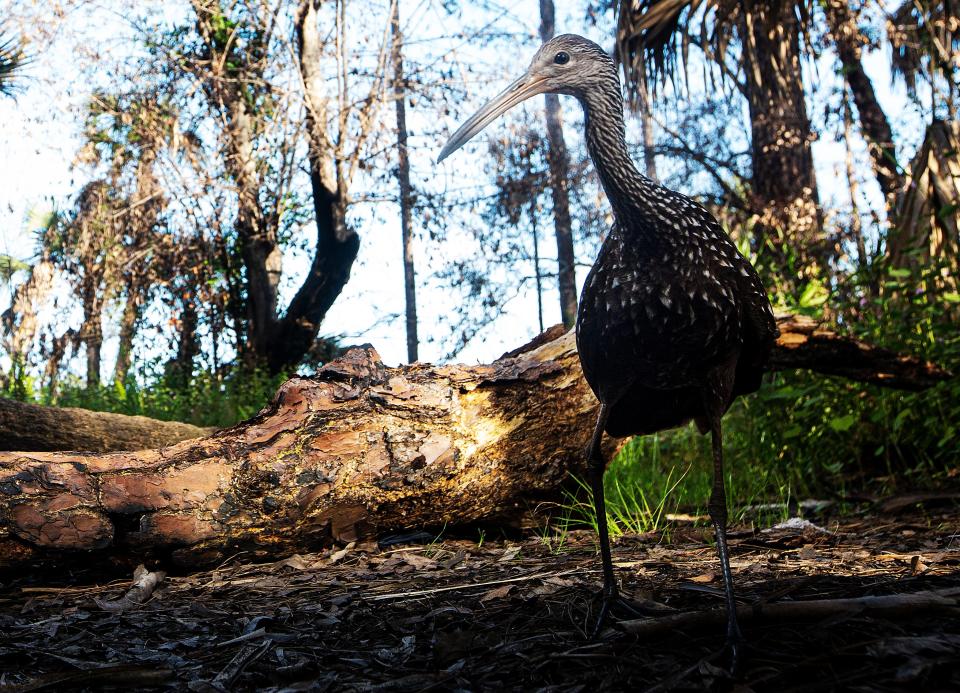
(889,605)
(452,588)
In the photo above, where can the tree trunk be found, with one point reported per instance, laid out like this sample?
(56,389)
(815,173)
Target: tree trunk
(873,121)
(559,188)
(357,450)
(20,320)
(92,330)
(33,427)
(256,234)
(403,178)
(179,370)
(856,226)
(128,330)
(281,343)
(337,244)
(784,181)
(928,237)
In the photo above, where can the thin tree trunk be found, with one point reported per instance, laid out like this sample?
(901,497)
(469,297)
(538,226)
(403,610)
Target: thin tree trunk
(403,177)
(51,371)
(856,227)
(92,330)
(873,121)
(128,330)
(256,234)
(535,229)
(559,173)
(337,244)
(20,319)
(180,368)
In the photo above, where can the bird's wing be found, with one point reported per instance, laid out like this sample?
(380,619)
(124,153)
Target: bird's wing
(656,320)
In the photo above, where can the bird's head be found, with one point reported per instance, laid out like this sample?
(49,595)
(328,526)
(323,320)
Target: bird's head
(566,64)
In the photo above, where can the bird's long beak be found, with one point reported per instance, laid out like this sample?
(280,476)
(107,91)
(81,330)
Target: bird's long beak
(521,90)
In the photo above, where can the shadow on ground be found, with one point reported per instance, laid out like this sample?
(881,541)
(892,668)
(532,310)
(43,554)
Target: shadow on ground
(499,616)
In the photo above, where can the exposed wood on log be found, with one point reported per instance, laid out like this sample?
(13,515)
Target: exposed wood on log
(33,427)
(357,450)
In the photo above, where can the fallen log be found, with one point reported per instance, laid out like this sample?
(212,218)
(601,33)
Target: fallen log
(805,344)
(358,449)
(36,428)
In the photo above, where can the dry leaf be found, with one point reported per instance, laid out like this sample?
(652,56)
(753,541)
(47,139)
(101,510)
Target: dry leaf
(509,554)
(337,556)
(706,577)
(496,593)
(419,561)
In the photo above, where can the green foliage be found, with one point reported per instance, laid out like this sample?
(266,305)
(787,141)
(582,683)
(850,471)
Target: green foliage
(10,265)
(805,435)
(203,400)
(19,384)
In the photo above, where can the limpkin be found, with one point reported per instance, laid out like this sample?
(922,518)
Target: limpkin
(673,321)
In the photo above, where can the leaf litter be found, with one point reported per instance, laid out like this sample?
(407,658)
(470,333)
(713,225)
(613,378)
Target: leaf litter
(503,616)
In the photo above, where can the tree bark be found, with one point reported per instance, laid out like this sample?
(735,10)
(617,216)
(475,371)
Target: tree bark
(358,450)
(42,429)
(403,178)
(559,187)
(928,237)
(784,182)
(92,330)
(856,226)
(20,320)
(337,244)
(128,330)
(873,121)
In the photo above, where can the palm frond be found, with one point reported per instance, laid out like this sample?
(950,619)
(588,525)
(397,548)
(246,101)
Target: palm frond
(654,36)
(924,38)
(12,61)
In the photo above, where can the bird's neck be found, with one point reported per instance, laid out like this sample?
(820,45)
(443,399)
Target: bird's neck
(632,195)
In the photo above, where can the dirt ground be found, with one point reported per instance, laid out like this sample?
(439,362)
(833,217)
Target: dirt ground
(511,616)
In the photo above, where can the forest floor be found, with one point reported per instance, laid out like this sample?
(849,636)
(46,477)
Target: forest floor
(512,616)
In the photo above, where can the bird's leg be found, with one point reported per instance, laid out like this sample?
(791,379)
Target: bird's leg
(718,515)
(596,465)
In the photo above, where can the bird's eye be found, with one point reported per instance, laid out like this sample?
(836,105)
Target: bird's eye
(561,58)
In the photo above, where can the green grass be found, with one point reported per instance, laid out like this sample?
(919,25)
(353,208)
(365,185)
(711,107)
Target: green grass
(205,400)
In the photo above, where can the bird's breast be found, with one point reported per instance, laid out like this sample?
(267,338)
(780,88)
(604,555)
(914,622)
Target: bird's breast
(658,315)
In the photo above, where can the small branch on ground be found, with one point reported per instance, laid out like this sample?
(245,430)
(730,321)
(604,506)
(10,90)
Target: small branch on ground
(888,606)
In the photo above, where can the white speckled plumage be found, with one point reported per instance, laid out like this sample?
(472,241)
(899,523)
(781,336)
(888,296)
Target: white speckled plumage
(673,321)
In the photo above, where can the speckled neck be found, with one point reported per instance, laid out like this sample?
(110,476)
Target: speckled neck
(632,195)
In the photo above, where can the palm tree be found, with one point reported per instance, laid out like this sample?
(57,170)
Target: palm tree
(756,47)
(926,44)
(12,61)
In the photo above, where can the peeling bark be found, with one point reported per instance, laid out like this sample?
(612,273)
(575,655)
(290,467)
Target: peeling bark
(357,450)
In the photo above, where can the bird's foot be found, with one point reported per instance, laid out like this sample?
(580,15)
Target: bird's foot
(732,652)
(614,605)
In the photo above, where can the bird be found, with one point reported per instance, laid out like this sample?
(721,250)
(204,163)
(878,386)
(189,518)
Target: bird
(673,321)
